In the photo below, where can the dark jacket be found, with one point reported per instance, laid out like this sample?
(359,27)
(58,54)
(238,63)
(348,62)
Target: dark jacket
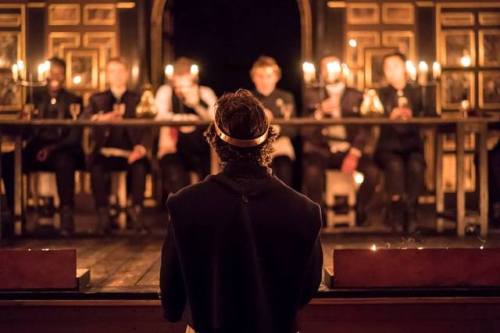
(61,138)
(315,140)
(242,252)
(272,101)
(103,102)
(401,138)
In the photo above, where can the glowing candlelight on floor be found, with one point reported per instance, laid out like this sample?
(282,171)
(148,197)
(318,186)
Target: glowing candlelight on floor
(436,70)
(195,70)
(423,71)
(333,70)
(169,71)
(411,70)
(309,72)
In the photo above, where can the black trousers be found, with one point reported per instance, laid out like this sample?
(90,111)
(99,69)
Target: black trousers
(63,162)
(175,169)
(8,178)
(314,179)
(283,169)
(100,169)
(404,174)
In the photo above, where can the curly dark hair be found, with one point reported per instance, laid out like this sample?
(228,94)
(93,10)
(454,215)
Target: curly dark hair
(241,116)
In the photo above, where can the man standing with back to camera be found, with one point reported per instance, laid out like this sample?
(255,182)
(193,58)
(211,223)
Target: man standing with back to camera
(249,256)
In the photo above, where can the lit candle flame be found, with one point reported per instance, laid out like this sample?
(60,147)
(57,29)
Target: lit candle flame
(373,247)
(353,43)
(169,71)
(436,70)
(309,72)
(411,70)
(195,70)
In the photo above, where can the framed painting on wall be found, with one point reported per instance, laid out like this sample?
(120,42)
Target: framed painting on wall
(64,14)
(456,44)
(82,68)
(363,13)
(398,13)
(10,53)
(99,14)
(456,86)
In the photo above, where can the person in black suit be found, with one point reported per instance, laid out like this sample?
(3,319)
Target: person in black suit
(399,149)
(278,103)
(56,149)
(337,147)
(117,148)
(248,257)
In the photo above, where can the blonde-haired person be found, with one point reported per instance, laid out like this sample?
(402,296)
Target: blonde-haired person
(182,150)
(278,103)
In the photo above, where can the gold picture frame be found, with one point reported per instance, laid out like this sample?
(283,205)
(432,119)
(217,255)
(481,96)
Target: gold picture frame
(64,14)
(363,13)
(8,20)
(489,47)
(489,18)
(58,41)
(454,19)
(99,14)
(374,73)
(398,13)
(11,50)
(105,40)
(456,86)
(454,45)
(355,55)
(489,89)
(82,68)
(404,41)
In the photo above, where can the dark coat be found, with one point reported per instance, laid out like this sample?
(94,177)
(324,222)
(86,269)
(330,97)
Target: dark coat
(401,138)
(271,103)
(357,136)
(61,138)
(242,253)
(103,102)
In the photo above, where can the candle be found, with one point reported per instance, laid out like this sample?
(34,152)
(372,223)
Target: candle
(436,70)
(423,71)
(15,72)
(347,74)
(333,70)
(309,72)
(21,69)
(41,72)
(195,70)
(169,71)
(353,43)
(411,70)
(465,60)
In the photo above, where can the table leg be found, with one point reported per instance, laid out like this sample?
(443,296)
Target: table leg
(483,179)
(460,189)
(439,182)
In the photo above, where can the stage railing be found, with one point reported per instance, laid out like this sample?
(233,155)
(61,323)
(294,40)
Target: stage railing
(460,126)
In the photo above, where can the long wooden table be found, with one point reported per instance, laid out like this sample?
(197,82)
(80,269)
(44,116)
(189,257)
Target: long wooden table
(460,126)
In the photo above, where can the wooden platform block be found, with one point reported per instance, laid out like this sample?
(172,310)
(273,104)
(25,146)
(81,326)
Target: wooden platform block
(414,268)
(38,269)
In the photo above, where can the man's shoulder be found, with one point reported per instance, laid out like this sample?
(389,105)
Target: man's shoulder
(99,96)
(188,193)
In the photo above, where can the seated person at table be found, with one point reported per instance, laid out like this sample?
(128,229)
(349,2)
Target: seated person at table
(337,147)
(56,149)
(399,150)
(248,256)
(265,74)
(117,148)
(183,149)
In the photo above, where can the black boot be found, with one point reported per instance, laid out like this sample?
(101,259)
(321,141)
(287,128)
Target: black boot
(103,221)
(67,221)
(136,219)
(396,215)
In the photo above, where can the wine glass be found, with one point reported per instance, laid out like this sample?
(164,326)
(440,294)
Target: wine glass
(287,110)
(74,110)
